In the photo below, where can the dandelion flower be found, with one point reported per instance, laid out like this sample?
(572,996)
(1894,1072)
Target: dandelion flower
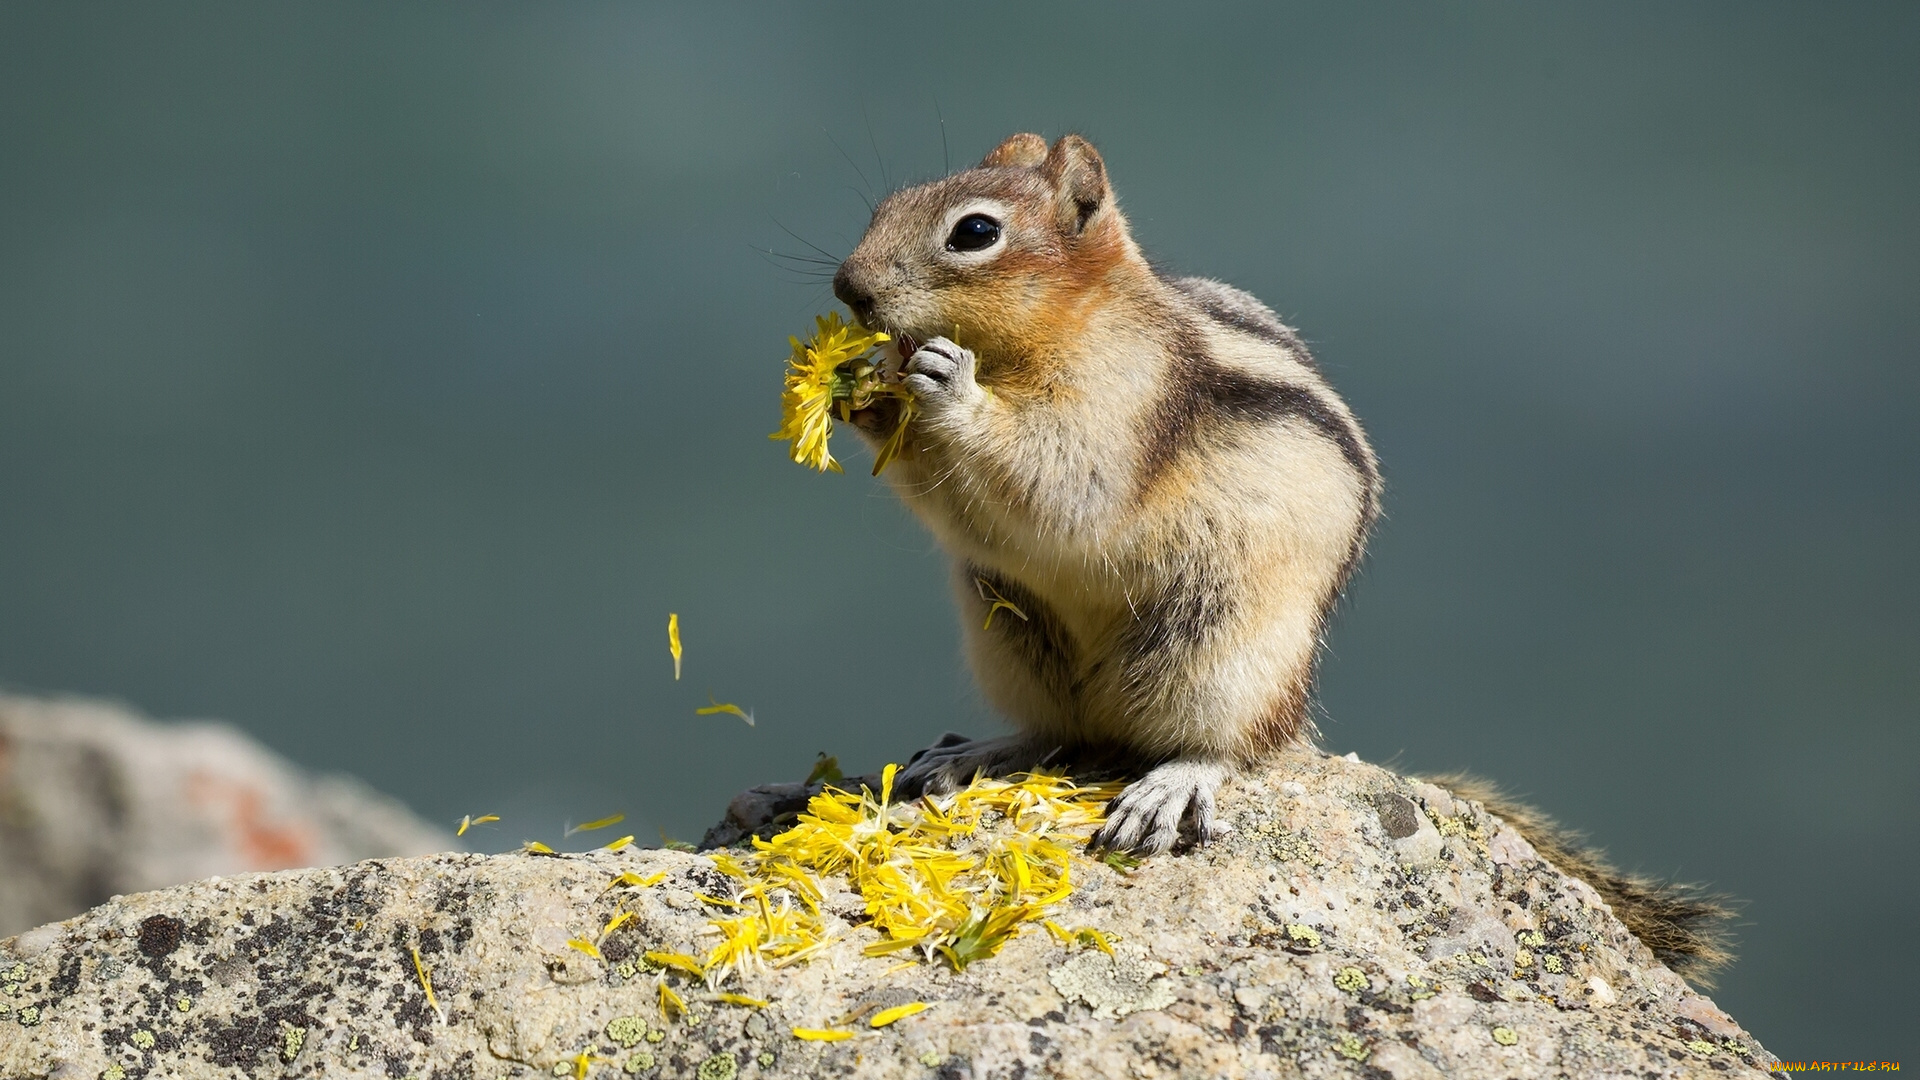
(832,371)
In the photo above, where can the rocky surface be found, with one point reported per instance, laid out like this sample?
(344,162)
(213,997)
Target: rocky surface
(97,800)
(1356,923)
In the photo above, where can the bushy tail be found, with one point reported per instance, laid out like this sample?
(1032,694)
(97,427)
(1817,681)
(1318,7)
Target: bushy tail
(1685,926)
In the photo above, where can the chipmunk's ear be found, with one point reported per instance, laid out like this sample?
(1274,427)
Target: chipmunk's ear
(1022,151)
(1074,168)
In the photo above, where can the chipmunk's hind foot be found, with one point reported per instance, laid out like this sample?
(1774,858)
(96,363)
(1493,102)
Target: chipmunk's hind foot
(1172,804)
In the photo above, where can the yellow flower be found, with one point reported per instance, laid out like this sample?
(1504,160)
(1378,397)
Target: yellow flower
(828,371)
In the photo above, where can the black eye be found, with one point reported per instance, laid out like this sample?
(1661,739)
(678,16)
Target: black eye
(973,232)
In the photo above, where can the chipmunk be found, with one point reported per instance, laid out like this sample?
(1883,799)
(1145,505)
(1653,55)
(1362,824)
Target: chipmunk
(1152,498)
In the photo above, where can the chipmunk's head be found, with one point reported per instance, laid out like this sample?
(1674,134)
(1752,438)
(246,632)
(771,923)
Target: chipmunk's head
(999,257)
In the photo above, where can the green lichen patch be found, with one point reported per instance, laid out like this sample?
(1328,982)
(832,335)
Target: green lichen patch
(1351,1046)
(1351,979)
(1304,935)
(291,1040)
(721,1066)
(143,1039)
(1701,1047)
(627,1031)
(30,1016)
(113,1072)
(1505,1036)
(640,1061)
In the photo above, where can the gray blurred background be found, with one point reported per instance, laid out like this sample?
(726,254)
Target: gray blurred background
(378,377)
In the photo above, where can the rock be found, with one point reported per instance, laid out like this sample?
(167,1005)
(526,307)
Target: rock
(1310,942)
(97,800)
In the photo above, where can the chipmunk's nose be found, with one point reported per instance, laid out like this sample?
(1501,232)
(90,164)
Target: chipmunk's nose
(849,285)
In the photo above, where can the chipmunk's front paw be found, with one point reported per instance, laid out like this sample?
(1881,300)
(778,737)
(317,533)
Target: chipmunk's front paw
(940,374)
(1155,811)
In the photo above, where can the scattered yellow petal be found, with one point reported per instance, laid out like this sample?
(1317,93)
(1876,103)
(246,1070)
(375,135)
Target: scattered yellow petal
(584,1060)
(617,922)
(468,822)
(678,960)
(584,946)
(741,999)
(725,707)
(996,602)
(633,879)
(671,1003)
(426,981)
(673,641)
(600,824)
(620,843)
(898,1012)
(535,847)
(821,1034)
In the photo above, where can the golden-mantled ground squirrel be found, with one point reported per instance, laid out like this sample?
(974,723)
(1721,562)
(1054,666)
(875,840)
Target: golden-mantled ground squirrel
(1152,500)
(1145,474)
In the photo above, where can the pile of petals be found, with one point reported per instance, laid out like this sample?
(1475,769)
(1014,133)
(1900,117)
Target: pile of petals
(955,877)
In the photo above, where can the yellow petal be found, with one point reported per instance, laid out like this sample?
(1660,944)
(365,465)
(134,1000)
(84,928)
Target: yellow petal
(600,824)
(673,641)
(426,983)
(671,1003)
(535,847)
(467,822)
(620,843)
(631,878)
(741,999)
(585,946)
(727,707)
(821,1035)
(898,1012)
(678,960)
(617,922)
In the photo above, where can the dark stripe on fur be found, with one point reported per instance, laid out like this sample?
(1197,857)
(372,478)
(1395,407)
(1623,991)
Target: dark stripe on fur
(1683,925)
(1167,627)
(1266,328)
(1201,390)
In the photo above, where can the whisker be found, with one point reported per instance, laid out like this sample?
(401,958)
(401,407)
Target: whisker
(849,158)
